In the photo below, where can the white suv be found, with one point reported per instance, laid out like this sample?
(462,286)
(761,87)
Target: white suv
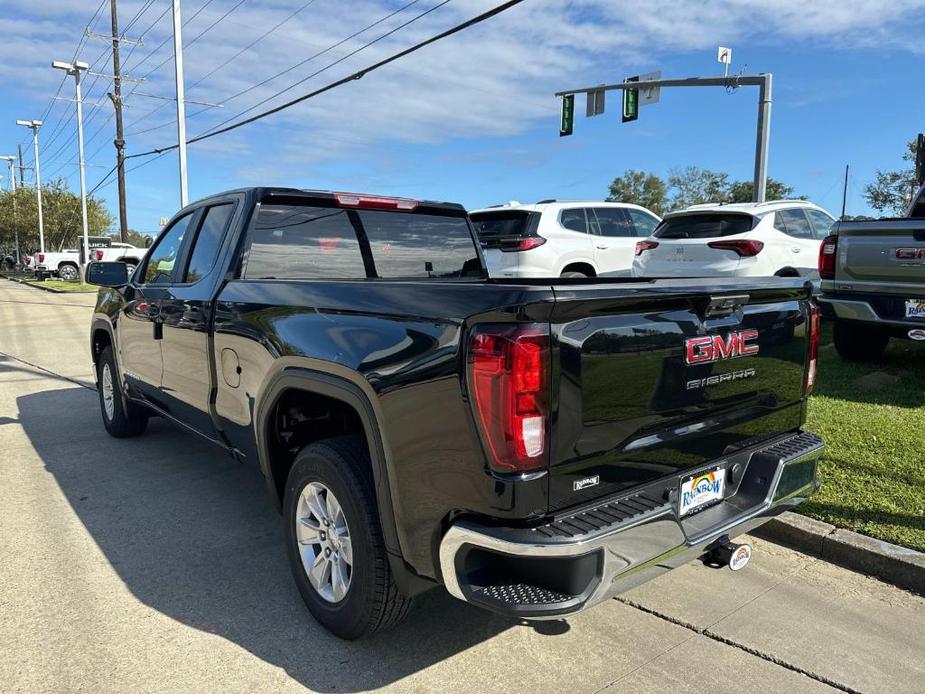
(561,239)
(779,237)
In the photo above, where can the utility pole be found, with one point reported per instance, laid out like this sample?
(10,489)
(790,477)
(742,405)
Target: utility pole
(9,160)
(763,136)
(181,106)
(74,69)
(119,142)
(35,125)
(22,169)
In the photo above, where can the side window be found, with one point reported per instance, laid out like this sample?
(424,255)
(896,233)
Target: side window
(574,219)
(793,223)
(163,257)
(821,222)
(614,222)
(303,242)
(208,241)
(645,223)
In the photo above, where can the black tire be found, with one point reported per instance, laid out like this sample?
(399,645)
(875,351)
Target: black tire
(856,342)
(372,601)
(127,418)
(573,274)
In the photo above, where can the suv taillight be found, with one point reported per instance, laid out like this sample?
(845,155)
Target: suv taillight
(745,249)
(827,252)
(41,257)
(99,255)
(814,329)
(643,246)
(524,244)
(509,386)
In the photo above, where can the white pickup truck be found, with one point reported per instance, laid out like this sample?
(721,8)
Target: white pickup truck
(65,264)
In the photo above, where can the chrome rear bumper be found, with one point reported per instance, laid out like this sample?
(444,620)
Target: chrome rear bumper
(576,561)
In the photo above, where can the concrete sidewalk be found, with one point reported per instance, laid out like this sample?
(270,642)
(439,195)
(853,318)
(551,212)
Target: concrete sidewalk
(157,564)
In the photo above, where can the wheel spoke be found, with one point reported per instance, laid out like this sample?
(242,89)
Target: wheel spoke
(315,503)
(346,549)
(320,573)
(333,507)
(308,531)
(339,580)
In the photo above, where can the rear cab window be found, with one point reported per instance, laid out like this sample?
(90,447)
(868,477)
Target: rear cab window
(705,225)
(309,241)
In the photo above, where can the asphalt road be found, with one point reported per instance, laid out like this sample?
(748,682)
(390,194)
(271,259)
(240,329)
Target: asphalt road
(157,564)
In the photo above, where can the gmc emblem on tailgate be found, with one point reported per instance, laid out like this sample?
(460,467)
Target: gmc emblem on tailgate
(913,255)
(713,348)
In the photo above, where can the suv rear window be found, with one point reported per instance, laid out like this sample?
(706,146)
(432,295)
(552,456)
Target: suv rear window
(707,225)
(315,242)
(495,229)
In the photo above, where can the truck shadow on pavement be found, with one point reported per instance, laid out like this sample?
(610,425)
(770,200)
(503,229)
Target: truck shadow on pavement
(195,536)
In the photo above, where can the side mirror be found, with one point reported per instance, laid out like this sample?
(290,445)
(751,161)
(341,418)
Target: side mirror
(107,274)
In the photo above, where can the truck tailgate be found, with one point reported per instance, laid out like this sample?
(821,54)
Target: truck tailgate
(886,256)
(648,382)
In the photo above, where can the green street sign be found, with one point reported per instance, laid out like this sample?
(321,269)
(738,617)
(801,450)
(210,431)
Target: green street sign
(567,126)
(630,101)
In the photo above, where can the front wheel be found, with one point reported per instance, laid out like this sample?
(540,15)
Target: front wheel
(856,342)
(334,540)
(121,418)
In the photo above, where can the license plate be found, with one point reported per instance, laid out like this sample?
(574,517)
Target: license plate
(915,308)
(700,490)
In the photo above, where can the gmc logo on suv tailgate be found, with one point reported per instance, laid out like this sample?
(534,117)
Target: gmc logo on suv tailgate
(713,348)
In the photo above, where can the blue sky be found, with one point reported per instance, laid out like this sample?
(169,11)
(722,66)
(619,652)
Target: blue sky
(473,119)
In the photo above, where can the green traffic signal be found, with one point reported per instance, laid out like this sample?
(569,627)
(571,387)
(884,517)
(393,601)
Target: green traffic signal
(567,126)
(630,102)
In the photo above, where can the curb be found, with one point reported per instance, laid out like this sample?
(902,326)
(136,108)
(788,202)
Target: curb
(902,567)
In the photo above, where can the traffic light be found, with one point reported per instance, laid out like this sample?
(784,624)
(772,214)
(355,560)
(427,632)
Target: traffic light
(630,101)
(568,115)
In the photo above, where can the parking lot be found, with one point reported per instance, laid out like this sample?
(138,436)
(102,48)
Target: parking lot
(157,564)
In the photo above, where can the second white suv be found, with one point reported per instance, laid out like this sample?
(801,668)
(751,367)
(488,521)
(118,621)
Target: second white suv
(780,237)
(561,239)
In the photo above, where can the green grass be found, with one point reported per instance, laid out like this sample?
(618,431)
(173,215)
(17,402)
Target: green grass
(872,417)
(60,285)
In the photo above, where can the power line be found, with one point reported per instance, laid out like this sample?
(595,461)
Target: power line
(478,19)
(301,63)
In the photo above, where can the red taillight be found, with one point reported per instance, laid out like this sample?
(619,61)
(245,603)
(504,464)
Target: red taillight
(99,255)
(41,257)
(643,246)
(375,202)
(745,249)
(27,260)
(814,328)
(509,382)
(524,244)
(827,252)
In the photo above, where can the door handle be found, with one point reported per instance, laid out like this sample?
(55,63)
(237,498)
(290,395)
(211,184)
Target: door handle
(797,250)
(602,248)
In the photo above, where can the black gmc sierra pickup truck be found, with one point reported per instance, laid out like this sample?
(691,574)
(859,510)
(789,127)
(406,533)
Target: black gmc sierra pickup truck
(535,446)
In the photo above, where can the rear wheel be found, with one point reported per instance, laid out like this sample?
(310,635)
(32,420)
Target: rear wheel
(334,540)
(569,274)
(121,418)
(857,342)
(68,271)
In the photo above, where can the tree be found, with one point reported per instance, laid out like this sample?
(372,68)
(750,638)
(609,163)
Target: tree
(693,185)
(134,237)
(741,191)
(60,215)
(640,188)
(892,189)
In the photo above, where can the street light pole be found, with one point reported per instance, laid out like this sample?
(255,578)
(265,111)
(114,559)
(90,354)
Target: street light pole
(75,69)
(181,106)
(35,125)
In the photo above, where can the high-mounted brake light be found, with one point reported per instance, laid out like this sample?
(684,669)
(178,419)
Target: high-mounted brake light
(41,257)
(524,244)
(745,249)
(827,253)
(814,329)
(509,383)
(99,255)
(375,202)
(643,246)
